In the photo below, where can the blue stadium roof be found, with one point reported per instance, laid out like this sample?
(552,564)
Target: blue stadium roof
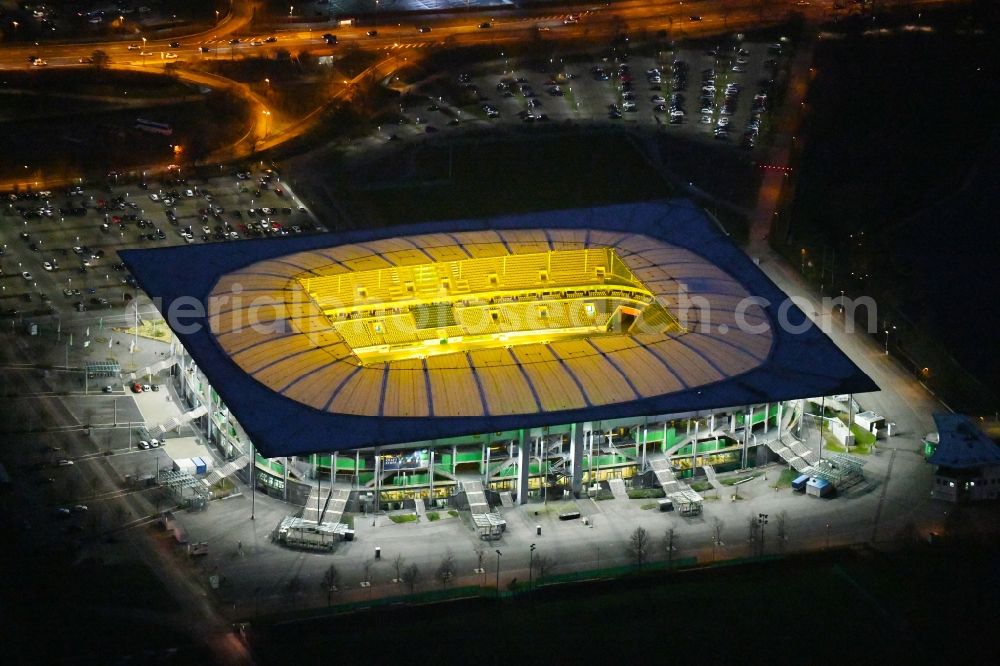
(962,444)
(800,363)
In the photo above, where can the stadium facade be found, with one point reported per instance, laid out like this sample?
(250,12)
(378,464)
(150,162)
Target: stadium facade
(531,354)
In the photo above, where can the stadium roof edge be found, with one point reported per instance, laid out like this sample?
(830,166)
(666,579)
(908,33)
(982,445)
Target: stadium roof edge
(800,364)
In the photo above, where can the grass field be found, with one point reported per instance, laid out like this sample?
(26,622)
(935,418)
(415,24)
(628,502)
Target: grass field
(503,175)
(868,606)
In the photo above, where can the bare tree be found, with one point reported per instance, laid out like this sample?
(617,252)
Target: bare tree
(782,530)
(638,546)
(717,525)
(397,563)
(411,576)
(446,569)
(669,545)
(99,59)
(331,579)
(908,534)
(751,530)
(293,587)
(367,567)
(544,565)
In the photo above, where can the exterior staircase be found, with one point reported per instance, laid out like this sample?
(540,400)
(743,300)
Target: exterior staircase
(228,469)
(618,489)
(665,475)
(177,421)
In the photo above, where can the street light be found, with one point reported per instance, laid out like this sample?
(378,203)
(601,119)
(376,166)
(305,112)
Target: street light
(887,329)
(498,573)
(531,561)
(267,122)
(762,521)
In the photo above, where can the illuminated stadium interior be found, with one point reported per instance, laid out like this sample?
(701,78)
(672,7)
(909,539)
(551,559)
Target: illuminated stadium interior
(443,307)
(405,326)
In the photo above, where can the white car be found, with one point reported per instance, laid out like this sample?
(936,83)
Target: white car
(155,443)
(27,276)
(169,56)
(628,106)
(657,99)
(47,265)
(154,197)
(707,110)
(723,121)
(706,120)
(143,444)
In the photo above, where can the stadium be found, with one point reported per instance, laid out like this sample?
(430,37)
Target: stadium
(490,361)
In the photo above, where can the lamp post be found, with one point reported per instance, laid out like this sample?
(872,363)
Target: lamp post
(498,572)
(762,522)
(531,562)
(887,329)
(267,122)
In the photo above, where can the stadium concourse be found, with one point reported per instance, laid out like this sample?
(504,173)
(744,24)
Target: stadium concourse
(491,360)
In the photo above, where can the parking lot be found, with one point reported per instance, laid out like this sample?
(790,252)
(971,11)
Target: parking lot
(59,258)
(714,93)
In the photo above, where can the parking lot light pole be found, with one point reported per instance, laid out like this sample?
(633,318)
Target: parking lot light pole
(498,572)
(762,521)
(531,561)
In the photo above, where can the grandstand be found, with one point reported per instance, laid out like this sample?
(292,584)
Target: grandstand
(390,313)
